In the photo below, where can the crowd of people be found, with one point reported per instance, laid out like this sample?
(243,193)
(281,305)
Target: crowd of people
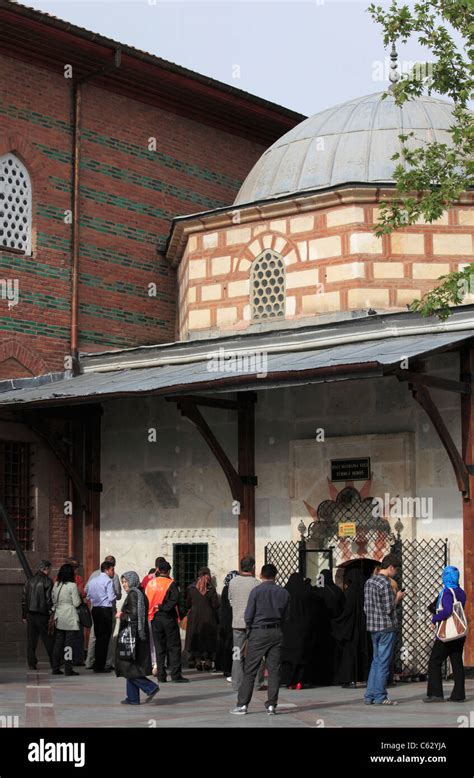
(258,634)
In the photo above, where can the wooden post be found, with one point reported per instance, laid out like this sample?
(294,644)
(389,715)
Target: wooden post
(246,443)
(467,432)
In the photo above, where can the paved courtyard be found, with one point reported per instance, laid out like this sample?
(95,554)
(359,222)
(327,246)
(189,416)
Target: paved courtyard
(39,699)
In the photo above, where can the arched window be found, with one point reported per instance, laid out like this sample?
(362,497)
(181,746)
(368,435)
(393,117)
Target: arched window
(267,290)
(15,205)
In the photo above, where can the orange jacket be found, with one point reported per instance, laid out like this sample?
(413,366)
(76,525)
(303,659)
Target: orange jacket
(156,592)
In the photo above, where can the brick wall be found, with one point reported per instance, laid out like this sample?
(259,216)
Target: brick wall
(129,194)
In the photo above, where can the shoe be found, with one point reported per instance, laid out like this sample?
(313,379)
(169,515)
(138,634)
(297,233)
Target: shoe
(433,699)
(298,687)
(386,701)
(229,679)
(452,699)
(368,702)
(262,688)
(199,666)
(150,696)
(109,668)
(239,710)
(182,679)
(162,679)
(154,670)
(351,685)
(57,672)
(126,701)
(271,710)
(72,672)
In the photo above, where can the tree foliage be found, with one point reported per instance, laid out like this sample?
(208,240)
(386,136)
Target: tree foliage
(432,176)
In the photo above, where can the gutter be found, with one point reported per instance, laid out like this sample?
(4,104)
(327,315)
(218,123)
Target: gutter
(318,342)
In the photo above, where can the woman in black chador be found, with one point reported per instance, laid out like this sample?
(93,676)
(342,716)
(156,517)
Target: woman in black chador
(331,599)
(297,632)
(350,632)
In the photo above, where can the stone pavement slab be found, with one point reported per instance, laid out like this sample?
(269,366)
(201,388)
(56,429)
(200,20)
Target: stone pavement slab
(38,699)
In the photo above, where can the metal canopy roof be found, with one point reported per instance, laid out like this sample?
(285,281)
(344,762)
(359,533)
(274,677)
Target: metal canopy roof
(353,360)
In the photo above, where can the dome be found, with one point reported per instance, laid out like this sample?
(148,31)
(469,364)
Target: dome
(352,142)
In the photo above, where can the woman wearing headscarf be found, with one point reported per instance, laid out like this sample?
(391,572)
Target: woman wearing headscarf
(331,599)
(453,648)
(202,604)
(135,669)
(225,635)
(349,629)
(297,632)
(66,600)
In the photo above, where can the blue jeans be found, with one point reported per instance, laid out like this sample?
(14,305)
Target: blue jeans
(383,644)
(135,684)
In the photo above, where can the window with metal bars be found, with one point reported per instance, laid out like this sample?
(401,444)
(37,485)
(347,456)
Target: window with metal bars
(15,205)
(187,559)
(267,286)
(16,490)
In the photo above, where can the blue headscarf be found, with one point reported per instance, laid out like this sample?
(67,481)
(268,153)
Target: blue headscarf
(450,578)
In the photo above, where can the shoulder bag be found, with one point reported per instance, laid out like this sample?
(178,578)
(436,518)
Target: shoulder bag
(455,626)
(127,644)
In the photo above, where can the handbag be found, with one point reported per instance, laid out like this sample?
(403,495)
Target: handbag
(455,626)
(127,644)
(51,624)
(85,617)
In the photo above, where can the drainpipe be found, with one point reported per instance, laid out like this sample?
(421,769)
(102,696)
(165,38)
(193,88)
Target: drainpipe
(76,213)
(77,98)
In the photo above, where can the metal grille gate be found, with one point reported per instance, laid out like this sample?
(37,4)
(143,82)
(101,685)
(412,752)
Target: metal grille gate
(422,564)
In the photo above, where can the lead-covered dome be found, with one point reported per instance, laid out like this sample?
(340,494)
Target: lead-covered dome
(351,142)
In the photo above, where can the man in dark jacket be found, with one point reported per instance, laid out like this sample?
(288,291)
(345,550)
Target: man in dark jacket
(37,605)
(267,609)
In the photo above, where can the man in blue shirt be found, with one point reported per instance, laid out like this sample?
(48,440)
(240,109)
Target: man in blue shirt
(101,593)
(266,610)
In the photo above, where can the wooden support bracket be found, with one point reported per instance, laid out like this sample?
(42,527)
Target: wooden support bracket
(422,395)
(56,448)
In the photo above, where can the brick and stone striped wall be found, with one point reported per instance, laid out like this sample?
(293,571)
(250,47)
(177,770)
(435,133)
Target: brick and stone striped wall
(333,262)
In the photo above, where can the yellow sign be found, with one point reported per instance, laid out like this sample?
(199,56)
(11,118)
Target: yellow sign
(347,529)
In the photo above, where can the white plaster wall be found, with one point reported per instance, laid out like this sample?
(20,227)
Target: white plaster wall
(138,523)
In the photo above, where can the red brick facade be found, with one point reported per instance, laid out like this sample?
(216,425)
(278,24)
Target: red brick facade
(128,196)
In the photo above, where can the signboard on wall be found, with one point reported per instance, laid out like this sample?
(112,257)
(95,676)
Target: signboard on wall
(347,529)
(350,469)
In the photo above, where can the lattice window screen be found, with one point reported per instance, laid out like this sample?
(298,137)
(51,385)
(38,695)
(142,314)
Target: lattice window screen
(15,204)
(268,286)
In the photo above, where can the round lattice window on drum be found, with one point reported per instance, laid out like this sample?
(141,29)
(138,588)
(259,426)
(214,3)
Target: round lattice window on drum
(268,286)
(15,205)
